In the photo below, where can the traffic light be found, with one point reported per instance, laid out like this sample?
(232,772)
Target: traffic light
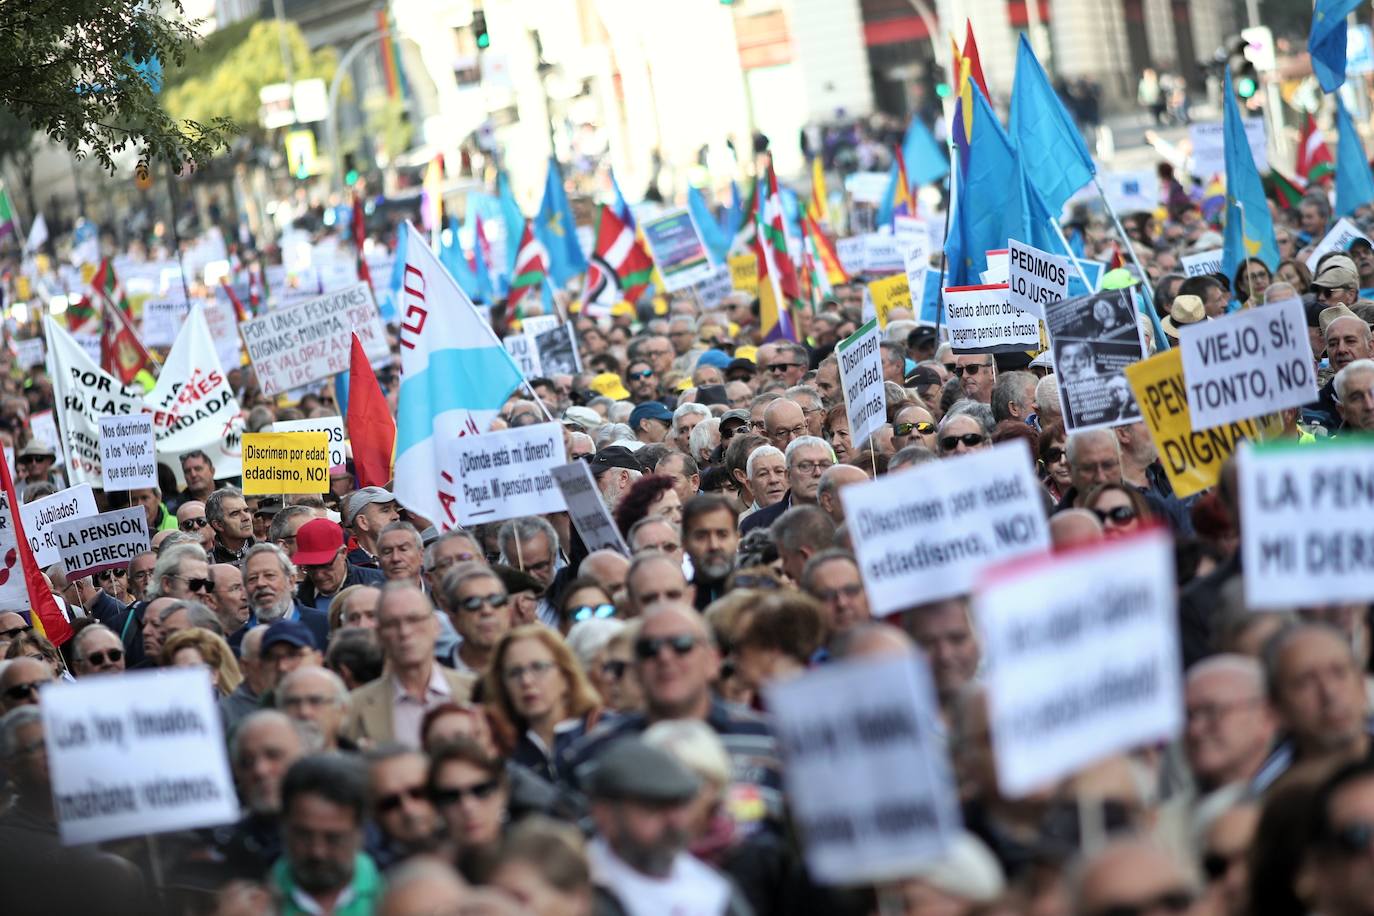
(479,30)
(1244,75)
(350,166)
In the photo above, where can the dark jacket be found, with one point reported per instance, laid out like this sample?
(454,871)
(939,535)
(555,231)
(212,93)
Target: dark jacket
(129,625)
(356,575)
(1323,409)
(765,517)
(317,621)
(222,554)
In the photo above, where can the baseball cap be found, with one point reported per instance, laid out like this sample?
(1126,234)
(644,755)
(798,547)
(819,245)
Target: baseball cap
(367,496)
(609,385)
(732,416)
(921,336)
(745,366)
(922,376)
(718,358)
(291,632)
(649,410)
(1338,271)
(317,542)
(614,456)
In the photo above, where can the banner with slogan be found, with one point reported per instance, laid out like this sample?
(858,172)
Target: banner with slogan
(1035,277)
(1094,338)
(677,249)
(96,543)
(128,452)
(861,380)
(1340,238)
(587,508)
(501,475)
(285,463)
(42,516)
(1082,657)
(890,293)
(981,319)
(524,353)
(744,273)
(83,393)
(332,427)
(882,254)
(927,533)
(308,341)
(1204,262)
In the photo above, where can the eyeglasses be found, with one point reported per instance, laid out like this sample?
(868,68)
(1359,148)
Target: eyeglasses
(793,432)
(813,467)
(648,647)
(614,670)
(950,367)
(1117,515)
(1322,292)
(1054,455)
(922,427)
(195,584)
(100,656)
(535,669)
(831,595)
(14,631)
(451,795)
(961,371)
(191,524)
(1179,900)
(110,574)
(632,376)
(589,611)
(948,443)
(309,700)
(1352,839)
(24,691)
(389,803)
(783,367)
(474,603)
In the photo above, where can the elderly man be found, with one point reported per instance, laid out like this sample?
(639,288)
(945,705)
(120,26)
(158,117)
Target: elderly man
(766,473)
(1348,340)
(685,419)
(683,470)
(783,361)
(140,574)
(1094,458)
(1133,876)
(392,707)
(608,567)
(961,433)
(945,633)
(655,579)
(270,578)
(229,517)
(401,806)
(257,680)
(812,406)
(97,650)
(800,533)
(1013,396)
(650,422)
(832,578)
(783,421)
(615,469)
(446,552)
(286,646)
(1354,388)
(317,700)
(807,458)
(401,553)
(913,425)
(181,571)
(228,599)
(1230,726)
(322,556)
(284,525)
(977,373)
(191,519)
(20,681)
(480,609)
(710,535)
(366,513)
(835,479)
(655,533)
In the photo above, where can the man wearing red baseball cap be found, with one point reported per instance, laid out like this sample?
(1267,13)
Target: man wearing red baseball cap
(322,556)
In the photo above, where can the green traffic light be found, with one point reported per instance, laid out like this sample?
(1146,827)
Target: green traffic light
(484,40)
(351,178)
(943,90)
(1246,87)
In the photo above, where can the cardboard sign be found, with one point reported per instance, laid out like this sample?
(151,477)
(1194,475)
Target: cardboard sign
(1082,658)
(137,754)
(887,294)
(1246,364)
(29,353)
(41,516)
(711,292)
(100,542)
(1035,277)
(332,427)
(981,319)
(843,730)
(502,475)
(677,249)
(744,273)
(305,342)
(557,349)
(927,534)
(882,254)
(1209,147)
(1094,338)
(587,507)
(128,452)
(999,266)
(285,463)
(861,379)
(523,351)
(1340,238)
(1306,537)
(1204,262)
(1192,459)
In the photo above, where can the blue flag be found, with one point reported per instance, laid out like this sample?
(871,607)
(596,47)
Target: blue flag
(733,218)
(717,242)
(1326,43)
(514,220)
(1249,229)
(1354,182)
(621,208)
(1053,154)
(451,256)
(926,161)
(988,208)
(557,230)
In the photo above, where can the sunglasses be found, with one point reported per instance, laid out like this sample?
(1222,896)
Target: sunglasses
(192,524)
(452,795)
(24,691)
(632,376)
(589,611)
(648,647)
(1054,455)
(196,584)
(1118,515)
(14,631)
(1352,839)
(961,371)
(783,367)
(1174,901)
(109,575)
(100,657)
(969,439)
(904,429)
(614,670)
(388,803)
(474,603)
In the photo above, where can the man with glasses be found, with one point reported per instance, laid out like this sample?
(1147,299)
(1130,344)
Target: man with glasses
(977,373)
(961,433)
(783,421)
(1132,877)
(477,604)
(447,551)
(191,519)
(322,556)
(1340,854)
(832,578)
(658,351)
(229,516)
(783,361)
(141,574)
(642,381)
(913,425)
(11,626)
(392,707)
(401,807)
(97,650)
(20,681)
(317,699)
(1229,727)
(180,572)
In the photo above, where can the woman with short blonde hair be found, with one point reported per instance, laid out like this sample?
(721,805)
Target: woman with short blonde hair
(181,650)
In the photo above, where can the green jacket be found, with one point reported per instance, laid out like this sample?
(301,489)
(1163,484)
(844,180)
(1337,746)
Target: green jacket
(166,521)
(362,898)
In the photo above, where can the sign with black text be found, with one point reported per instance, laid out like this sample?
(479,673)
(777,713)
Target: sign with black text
(982,319)
(41,517)
(501,475)
(332,427)
(128,452)
(1340,238)
(307,341)
(1204,262)
(587,508)
(99,542)
(1035,277)
(1093,339)
(861,380)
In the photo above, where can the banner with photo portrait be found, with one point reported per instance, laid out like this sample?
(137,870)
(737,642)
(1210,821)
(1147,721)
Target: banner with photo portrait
(1093,339)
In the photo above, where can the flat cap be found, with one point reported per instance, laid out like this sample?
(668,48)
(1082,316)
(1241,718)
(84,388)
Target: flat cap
(632,770)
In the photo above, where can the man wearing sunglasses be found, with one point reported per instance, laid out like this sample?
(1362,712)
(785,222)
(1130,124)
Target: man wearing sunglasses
(1342,843)
(961,433)
(913,425)
(783,361)
(977,373)
(642,382)
(477,604)
(401,806)
(97,650)
(20,682)
(191,519)
(180,572)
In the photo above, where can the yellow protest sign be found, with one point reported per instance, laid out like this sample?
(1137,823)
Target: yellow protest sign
(744,273)
(285,463)
(890,293)
(87,272)
(22,288)
(1191,459)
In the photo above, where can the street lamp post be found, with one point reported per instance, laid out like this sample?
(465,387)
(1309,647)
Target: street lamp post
(362,44)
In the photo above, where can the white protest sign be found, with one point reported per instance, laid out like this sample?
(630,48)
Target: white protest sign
(311,340)
(522,349)
(867,187)
(1082,658)
(882,254)
(332,427)
(1204,262)
(712,291)
(30,352)
(587,508)
(502,475)
(44,427)
(907,229)
(916,258)
(1209,147)
(128,452)
(14,594)
(1338,239)
(1035,277)
(999,266)
(90,344)
(557,350)
(84,393)
(861,379)
(850,251)
(927,533)
(1306,536)
(99,542)
(535,325)
(1130,192)
(981,319)
(1246,364)
(137,754)
(42,515)
(161,319)
(843,730)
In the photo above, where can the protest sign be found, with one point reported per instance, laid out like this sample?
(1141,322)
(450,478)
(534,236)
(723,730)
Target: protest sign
(861,379)
(843,730)
(136,754)
(744,273)
(332,427)
(1306,537)
(14,594)
(1209,147)
(587,508)
(927,533)
(42,515)
(128,452)
(285,463)
(887,294)
(981,319)
(850,251)
(1204,262)
(311,340)
(161,319)
(867,187)
(882,254)
(534,325)
(43,425)
(1082,657)
(1128,192)
(84,393)
(999,266)
(1094,339)
(557,349)
(677,249)
(916,258)
(99,542)
(1246,364)
(1340,238)
(30,352)
(711,292)
(1035,277)
(523,351)
(1192,459)
(501,475)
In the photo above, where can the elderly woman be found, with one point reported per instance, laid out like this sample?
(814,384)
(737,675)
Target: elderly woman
(651,495)
(200,648)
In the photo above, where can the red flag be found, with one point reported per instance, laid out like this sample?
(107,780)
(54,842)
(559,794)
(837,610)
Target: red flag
(371,427)
(45,616)
(239,313)
(975,66)
(122,353)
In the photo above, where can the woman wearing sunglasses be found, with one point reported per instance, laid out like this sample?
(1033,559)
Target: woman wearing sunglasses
(469,788)
(539,700)
(1119,507)
(1053,458)
(584,599)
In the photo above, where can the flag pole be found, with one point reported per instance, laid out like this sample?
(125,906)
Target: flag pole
(1059,231)
(1130,248)
(944,252)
